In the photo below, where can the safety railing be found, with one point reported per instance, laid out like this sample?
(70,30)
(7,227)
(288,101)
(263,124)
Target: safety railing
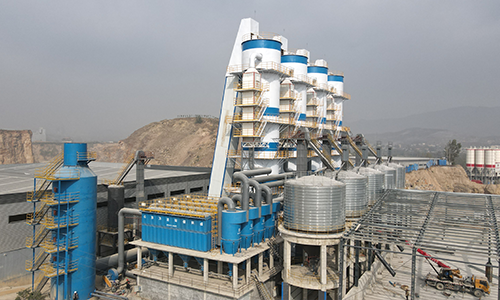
(326,87)
(37,216)
(51,246)
(305,78)
(291,107)
(262,36)
(263,66)
(55,269)
(311,229)
(332,107)
(343,95)
(289,94)
(51,168)
(52,222)
(312,114)
(31,264)
(258,86)
(257,100)
(336,73)
(88,156)
(61,198)
(61,174)
(38,195)
(313,102)
(40,235)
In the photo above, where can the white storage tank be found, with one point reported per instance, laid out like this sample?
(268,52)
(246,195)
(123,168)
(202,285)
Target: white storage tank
(356,200)
(479,159)
(399,182)
(390,176)
(469,159)
(375,183)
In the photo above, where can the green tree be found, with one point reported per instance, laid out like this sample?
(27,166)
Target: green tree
(198,120)
(452,150)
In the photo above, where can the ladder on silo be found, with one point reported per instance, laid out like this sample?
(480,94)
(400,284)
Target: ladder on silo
(261,288)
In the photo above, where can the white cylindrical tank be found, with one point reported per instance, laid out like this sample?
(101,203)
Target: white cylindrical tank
(489,160)
(497,160)
(375,183)
(299,64)
(356,200)
(479,158)
(319,71)
(265,54)
(469,159)
(336,80)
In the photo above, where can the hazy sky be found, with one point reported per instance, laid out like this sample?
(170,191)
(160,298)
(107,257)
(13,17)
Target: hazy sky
(94,70)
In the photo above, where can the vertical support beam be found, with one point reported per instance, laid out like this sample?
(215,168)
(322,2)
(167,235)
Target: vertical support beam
(139,258)
(357,268)
(287,253)
(219,267)
(341,269)
(323,263)
(261,264)
(139,179)
(205,270)
(248,270)
(170,264)
(235,276)
(301,157)
(271,260)
(304,294)
(413,270)
(370,255)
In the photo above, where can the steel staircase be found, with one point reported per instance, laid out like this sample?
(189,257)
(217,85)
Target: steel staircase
(261,288)
(273,249)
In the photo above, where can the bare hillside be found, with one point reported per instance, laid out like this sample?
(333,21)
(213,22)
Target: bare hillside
(447,179)
(178,142)
(15,147)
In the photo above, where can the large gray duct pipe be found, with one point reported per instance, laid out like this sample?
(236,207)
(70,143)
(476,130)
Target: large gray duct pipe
(257,201)
(269,195)
(274,177)
(121,226)
(104,263)
(274,183)
(242,177)
(220,206)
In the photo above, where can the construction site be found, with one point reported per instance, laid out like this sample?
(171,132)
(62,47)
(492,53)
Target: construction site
(294,206)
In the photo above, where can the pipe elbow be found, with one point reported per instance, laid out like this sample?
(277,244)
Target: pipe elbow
(253,58)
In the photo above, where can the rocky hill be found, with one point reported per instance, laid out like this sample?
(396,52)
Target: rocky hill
(178,142)
(15,147)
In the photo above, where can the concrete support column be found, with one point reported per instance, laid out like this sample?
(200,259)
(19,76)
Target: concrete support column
(304,294)
(170,264)
(219,267)
(323,263)
(248,270)
(261,264)
(139,258)
(205,270)
(287,256)
(235,276)
(271,260)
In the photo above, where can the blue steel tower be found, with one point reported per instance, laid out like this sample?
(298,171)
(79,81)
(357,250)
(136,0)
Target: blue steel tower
(73,224)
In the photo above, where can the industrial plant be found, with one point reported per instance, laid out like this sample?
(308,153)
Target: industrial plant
(483,164)
(294,207)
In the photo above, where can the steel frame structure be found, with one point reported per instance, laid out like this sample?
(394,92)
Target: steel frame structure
(432,221)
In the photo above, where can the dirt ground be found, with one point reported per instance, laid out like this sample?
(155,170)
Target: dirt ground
(447,179)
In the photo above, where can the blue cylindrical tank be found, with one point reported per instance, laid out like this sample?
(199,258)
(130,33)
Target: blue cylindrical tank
(231,230)
(247,229)
(270,221)
(75,177)
(258,224)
